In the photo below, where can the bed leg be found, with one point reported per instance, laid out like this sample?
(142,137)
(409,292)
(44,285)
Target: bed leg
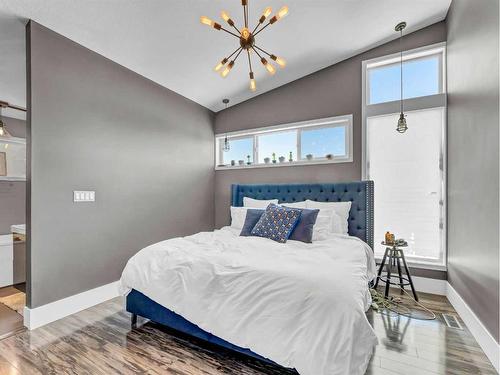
(133,320)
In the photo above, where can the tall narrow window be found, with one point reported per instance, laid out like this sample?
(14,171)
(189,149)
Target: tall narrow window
(408,169)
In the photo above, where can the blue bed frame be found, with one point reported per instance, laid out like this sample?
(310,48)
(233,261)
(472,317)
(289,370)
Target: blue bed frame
(360,193)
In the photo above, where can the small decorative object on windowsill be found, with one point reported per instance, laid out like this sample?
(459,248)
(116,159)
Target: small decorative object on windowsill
(309,157)
(233,163)
(389,238)
(274,157)
(267,160)
(290,157)
(329,156)
(282,159)
(248,160)
(241,162)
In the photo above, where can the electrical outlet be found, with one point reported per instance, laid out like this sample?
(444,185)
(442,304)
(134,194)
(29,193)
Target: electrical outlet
(83,196)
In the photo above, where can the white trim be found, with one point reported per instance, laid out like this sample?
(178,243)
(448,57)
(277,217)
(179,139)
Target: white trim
(427,285)
(286,164)
(486,341)
(289,126)
(39,316)
(483,337)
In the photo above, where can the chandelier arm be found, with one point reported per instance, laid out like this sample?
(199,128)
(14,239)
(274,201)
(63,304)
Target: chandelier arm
(260,49)
(231,55)
(266,25)
(234,26)
(249,61)
(256,27)
(230,32)
(258,54)
(238,54)
(246,15)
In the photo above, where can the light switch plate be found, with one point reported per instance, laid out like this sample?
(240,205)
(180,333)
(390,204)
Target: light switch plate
(83,196)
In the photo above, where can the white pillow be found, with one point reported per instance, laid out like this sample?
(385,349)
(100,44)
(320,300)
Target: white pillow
(341,209)
(257,203)
(323,226)
(301,204)
(238,216)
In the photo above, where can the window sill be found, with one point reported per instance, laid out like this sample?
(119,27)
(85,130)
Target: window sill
(421,265)
(285,164)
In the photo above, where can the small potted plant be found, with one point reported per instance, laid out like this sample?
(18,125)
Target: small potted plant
(274,157)
(282,159)
(309,157)
(241,162)
(290,157)
(267,160)
(329,156)
(233,163)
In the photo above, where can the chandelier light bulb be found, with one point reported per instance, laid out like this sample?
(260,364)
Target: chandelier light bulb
(270,69)
(282,12)
(280,61)
(253,85)
(228,68)
(245,33)
(220,65)
(225,16)
(206,21)
(265,14)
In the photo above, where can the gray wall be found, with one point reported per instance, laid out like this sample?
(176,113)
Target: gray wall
(473,187)
(145,150)
(13,193)
(333,91)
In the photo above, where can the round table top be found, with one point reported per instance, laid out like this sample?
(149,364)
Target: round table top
(393,244)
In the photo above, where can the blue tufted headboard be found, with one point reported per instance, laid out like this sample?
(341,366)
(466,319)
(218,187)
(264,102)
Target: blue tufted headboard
(360,193)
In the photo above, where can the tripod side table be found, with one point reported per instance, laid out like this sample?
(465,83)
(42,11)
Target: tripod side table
(394,255)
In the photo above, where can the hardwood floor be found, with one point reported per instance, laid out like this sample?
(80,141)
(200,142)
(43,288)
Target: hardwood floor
(100,340)
(10,321)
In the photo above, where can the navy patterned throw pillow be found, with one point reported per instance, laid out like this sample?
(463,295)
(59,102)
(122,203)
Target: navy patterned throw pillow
(277,223)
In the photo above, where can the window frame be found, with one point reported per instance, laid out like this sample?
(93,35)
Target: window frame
(329,122)
(411,104)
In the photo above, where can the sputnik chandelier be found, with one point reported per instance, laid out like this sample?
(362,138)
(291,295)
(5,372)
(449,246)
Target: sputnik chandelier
(247,41)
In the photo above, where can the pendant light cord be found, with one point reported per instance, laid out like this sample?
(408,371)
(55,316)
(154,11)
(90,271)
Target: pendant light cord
(401,49)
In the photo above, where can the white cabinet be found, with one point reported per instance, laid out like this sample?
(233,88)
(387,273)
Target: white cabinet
(6,260)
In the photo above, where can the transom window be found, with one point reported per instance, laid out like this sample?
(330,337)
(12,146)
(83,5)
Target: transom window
(319,141)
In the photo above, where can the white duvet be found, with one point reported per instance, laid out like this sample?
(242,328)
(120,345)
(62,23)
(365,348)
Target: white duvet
(300,305)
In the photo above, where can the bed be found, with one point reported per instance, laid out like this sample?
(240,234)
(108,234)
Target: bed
(297,305)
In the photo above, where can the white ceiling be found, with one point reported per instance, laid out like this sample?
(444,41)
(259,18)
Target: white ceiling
(164,41)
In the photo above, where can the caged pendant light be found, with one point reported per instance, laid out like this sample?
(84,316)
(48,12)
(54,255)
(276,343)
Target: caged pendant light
(247,41)
(226,147)
(402,126)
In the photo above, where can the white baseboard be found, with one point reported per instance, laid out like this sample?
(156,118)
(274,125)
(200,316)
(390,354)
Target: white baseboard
(483,337)
(39,316)
(432,286)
